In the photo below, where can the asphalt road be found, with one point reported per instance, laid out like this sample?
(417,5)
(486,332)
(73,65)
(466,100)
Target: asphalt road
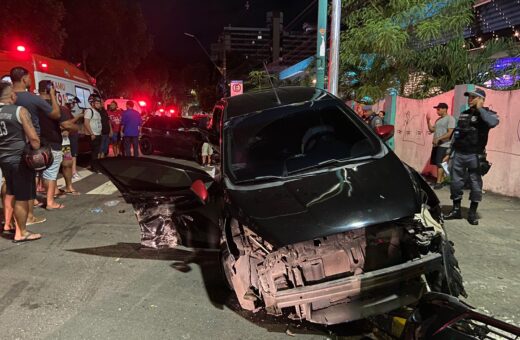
(89,279)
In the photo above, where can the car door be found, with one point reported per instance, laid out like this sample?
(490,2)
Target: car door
(160,134)
(173,137)
(191,139)
(174,203)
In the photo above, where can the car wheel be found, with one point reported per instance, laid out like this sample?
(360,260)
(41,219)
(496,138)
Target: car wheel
(449,280)
(224,266)
(146,146)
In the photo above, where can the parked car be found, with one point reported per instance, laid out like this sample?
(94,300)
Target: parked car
(312,211)
(174,136)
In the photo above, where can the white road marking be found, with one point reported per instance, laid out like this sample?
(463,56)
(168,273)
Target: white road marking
(83,173)
(106,188)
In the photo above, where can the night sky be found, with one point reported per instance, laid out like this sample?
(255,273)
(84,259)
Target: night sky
(169,19)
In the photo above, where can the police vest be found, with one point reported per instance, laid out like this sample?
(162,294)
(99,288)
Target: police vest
(471,133)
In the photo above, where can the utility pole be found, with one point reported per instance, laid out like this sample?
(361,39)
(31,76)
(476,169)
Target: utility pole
(221,71)
(321,46)
(334,47)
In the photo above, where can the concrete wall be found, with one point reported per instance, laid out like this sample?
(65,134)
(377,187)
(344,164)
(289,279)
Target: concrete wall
(413,141)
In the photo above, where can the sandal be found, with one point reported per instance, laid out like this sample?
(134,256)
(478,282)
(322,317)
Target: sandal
(60,206)
(73,193)
(36,220)
(28,237)
(38,205)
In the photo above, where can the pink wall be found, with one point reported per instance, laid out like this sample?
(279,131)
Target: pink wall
(504,143)
(413,141)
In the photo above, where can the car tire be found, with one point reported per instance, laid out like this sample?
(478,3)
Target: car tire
(226,275)
(146,146)
(449,280)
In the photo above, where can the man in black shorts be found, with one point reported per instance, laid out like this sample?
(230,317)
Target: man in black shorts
(15,128)
(442,131)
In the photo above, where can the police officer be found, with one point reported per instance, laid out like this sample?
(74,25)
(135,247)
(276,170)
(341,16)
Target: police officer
(468,153)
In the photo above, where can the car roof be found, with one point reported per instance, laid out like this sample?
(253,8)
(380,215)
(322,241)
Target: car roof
(266,99)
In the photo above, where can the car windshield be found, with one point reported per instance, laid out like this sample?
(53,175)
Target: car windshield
(284,141)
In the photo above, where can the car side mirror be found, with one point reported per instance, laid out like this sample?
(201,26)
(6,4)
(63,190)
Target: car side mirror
(385,132)
(199,188)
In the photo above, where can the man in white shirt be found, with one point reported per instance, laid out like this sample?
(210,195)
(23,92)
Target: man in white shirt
(93,128)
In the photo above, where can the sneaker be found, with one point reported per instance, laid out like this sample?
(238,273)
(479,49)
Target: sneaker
(76,176)
(36,220)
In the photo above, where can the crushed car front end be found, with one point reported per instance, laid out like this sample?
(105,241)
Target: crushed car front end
(337,278)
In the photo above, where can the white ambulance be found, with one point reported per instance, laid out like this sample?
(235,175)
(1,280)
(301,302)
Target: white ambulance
(66,77)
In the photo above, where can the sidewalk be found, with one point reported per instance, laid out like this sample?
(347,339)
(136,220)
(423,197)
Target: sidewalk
(489,254)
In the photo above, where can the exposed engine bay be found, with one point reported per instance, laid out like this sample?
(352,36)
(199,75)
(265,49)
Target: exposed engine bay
(335,265)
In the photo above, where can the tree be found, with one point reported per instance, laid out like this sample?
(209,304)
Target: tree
(259,80)
(108,37)
(462,67)
(37,24)
(383,39)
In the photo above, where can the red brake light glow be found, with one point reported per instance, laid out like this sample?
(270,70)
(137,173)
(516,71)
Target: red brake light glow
(172,111)
(45,65)
(142,103)
(20,48)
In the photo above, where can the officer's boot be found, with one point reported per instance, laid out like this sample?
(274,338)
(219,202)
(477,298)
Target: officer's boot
(472,214)
(455,213)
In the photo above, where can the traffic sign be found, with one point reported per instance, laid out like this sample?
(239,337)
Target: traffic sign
(237,87)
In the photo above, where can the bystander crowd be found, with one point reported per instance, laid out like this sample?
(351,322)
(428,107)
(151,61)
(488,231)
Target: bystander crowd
(114,113)
(130,125)
(371,118)
(16,128)
(37,107)
(106,132)
(442,131)
(93,128)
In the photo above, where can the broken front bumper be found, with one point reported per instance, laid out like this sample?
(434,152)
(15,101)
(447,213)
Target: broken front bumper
(358,296)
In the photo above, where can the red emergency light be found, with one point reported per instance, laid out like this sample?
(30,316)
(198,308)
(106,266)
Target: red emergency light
(161,110)
(44,65)
(172,111)
(21,48)
(142,103)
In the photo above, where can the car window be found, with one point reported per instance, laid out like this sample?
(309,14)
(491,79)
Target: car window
(281,141)
(189,123)
(174,124)
(82,94)
(153,123)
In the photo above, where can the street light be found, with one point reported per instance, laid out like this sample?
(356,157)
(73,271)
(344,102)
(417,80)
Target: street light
(205,52)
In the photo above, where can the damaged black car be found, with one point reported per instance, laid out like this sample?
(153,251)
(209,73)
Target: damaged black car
(313,213)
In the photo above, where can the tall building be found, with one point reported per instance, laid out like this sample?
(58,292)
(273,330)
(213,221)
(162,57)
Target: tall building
(241,49)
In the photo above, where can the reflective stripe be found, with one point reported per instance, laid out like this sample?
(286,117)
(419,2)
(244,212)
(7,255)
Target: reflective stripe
(18,114)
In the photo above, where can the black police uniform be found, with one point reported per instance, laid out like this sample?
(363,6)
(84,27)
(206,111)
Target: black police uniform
(468,156)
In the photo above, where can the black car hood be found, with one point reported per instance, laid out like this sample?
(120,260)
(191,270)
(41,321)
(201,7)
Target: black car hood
(327,202)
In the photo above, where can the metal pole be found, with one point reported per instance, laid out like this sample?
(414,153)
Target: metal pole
(204,50)
(321,44)
(334,47)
